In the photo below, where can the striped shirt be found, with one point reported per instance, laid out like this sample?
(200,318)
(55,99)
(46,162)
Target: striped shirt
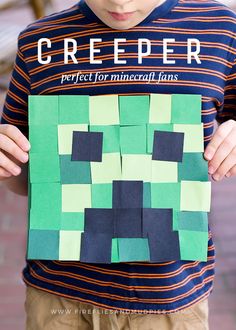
(159,287)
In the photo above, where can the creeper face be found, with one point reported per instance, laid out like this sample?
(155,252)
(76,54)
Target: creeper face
(117,179)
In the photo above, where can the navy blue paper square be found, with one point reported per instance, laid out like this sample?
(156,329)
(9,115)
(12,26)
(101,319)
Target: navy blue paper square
(157,221)
(168,146)
(164,246)
(127,194)
(99,221)
(128,223)
(87,146)
(95,248)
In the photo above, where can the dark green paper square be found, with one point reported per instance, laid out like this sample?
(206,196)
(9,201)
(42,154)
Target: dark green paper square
(73,172)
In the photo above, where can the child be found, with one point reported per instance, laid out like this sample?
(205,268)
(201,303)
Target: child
(168,295)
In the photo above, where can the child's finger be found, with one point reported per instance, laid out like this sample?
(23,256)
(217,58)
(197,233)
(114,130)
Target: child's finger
(8,165)
(226,166)
(9,146)
(232,172)
(4,173)
(220,135)
(15,134)
(225,148)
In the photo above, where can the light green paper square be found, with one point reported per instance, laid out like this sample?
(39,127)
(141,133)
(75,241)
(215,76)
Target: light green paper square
(65,137)
(102,195)
(43,110)
(193,137)
(163,171)
(133,139)
(165,195)
(69,246)
(193,245)
(186,109)
(195,196)
(76,197)
(114,250)
(151,128)
(44,167)
(134,110)
(73,109)
(111,137)
(133,249)
(72,221)
(107,170)
(160,108)
(104,110)
(45,212)
(137,167)
(43,138)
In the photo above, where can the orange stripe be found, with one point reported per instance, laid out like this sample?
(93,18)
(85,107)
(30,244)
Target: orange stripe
(100,305)
(117,297)
(127,287)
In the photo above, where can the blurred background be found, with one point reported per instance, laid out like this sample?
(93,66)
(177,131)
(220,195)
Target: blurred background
(14,16)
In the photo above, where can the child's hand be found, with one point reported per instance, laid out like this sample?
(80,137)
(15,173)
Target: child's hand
(221,151)
(13,151)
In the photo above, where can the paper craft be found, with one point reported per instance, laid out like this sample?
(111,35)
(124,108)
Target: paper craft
(117,179)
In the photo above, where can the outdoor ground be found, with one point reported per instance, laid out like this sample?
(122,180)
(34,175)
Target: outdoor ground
(13,215)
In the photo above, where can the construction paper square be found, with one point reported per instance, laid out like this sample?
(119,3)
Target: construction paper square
(43,139)
(102,195)
(95,248)
(157,221)
(72,221)
(111,137)
(134,110)
(186,109)
(70,245)
(87,146)
(133,249)
(193,167)
(99,221)
(160,108)
(107,170)
(65,137)
(44,167)
(195,196)
(73,109)
(147,194)
(197,221)
(74,172)
(127,194)
(128,222)
(43,110)
(165,195)
(133,139)
(104,110)
(168,146)
(76,197)
(164,171)
(43,244)
(151,128)
(164,247)
(130,170)
(193,245)
(193,137)
(45,212)
(114,250)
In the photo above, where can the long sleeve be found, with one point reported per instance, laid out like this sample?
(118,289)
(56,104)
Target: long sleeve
(15,110)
